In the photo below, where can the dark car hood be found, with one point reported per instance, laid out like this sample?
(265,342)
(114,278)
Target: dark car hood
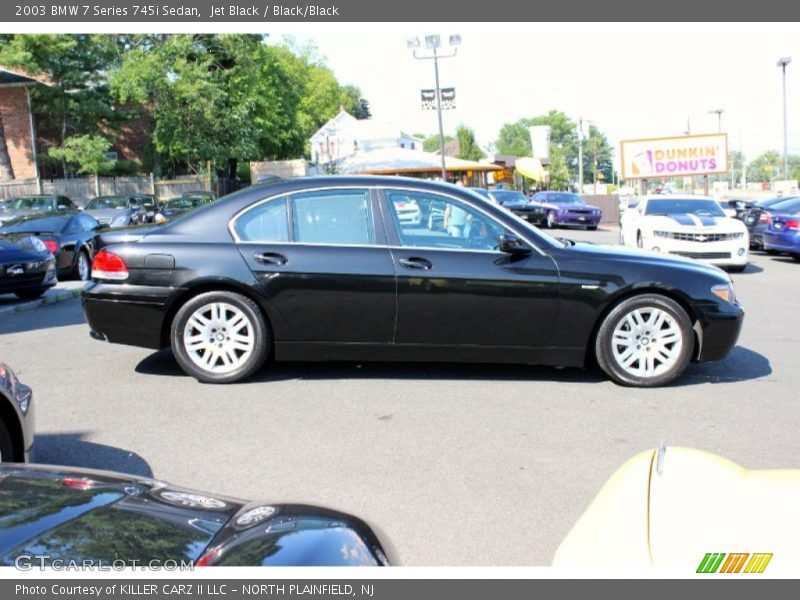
(87,515)
(611,253)
(16,247)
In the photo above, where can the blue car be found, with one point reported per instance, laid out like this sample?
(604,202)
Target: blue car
(783,233)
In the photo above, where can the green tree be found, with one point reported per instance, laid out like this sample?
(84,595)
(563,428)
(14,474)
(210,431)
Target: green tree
(597,154)
(467,145)
(431,143)
(765,167)
(78,101)
(88,152)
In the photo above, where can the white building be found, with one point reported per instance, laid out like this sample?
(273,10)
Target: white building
(344,135)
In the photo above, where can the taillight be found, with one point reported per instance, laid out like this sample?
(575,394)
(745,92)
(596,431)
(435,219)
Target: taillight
(108,265)
(793,224)
(51,245)
(764,217)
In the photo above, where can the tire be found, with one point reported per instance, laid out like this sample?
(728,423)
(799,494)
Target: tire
(6,445)
(30,294)
(82,269)
(592,228)
(623,358)
(212,314)
(796,256)
(772,252)
(550,220)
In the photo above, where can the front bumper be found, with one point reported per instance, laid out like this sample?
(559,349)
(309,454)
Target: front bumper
(726,253)
(719,333)
(126,314)
(532,216)
(578,219)
(782,241)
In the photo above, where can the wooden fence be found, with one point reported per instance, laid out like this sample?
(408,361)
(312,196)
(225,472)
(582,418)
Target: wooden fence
(83,189)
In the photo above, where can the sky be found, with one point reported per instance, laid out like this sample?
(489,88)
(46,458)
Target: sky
(631,81)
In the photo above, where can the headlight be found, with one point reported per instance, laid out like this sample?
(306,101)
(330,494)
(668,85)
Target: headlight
(119,220)
(661,234)
(724,291)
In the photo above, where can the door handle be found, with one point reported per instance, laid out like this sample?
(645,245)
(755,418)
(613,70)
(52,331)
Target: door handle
(271,258)
(416,262)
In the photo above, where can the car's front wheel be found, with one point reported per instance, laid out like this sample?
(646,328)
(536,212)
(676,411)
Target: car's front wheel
(6,444)
(645,341)
(220,337)
(550,219)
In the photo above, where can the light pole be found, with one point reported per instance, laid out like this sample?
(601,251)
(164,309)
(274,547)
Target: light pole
(434,42)
(718,112)
(782,64)
(580,153)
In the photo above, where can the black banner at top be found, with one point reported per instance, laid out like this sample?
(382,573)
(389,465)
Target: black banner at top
(269,11)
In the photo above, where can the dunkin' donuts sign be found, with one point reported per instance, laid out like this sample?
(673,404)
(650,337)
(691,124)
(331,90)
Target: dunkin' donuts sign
(674,157)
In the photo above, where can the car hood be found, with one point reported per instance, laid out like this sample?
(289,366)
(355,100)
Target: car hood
(574,205)
(108,213)
(102,517)
(672,507)
(692,223)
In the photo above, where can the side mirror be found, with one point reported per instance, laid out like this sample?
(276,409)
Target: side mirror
(511,244)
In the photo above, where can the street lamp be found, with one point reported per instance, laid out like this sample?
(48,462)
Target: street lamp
(434,43)
(782,64)
(580,152)
(718,112)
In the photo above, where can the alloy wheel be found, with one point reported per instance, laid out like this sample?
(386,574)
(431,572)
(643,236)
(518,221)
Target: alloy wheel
(84,268)
(219,337)
(647,342)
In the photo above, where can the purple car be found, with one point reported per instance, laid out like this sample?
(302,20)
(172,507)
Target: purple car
(568,209)
(783,233)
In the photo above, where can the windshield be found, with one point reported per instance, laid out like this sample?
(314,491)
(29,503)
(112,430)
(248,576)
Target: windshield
(145,200)
(30,203)
(182,203)
(559,198)
(504,196)
(684,206)
(102,202)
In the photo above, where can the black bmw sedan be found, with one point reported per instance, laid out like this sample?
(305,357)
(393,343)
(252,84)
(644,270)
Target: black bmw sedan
(68,236)
(324,269)
(63,516)
(27,268)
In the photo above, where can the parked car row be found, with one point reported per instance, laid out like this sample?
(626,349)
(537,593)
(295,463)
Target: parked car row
(548,209)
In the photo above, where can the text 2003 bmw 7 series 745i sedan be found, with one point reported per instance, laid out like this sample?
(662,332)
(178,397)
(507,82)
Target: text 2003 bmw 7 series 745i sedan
(324,269)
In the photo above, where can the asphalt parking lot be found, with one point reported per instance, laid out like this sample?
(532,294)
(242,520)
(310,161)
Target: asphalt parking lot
(458,464)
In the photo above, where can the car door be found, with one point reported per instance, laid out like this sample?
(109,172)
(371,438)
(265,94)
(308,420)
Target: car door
(455,287)
(321,259)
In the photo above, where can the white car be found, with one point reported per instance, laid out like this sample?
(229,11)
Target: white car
(693,227)
(408,212)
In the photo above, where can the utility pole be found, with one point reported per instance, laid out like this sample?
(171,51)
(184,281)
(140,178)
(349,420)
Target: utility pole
(782,64)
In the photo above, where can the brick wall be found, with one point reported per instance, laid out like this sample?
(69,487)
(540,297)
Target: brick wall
(17,128)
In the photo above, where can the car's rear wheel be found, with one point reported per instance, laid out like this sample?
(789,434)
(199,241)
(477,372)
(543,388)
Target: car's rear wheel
(30,294)
(82,269)
(220,337)
(645,341)
(6,444)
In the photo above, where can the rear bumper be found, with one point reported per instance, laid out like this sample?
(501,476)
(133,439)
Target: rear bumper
(720,333)
(126,314)
(783,241)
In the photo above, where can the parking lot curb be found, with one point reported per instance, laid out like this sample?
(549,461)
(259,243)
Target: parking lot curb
(58,296)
